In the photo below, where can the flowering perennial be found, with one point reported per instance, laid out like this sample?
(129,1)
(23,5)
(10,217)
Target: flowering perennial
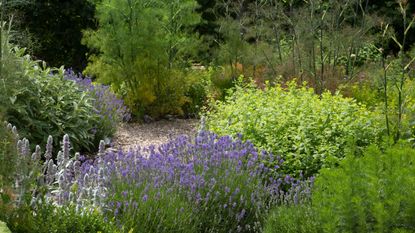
(220,180)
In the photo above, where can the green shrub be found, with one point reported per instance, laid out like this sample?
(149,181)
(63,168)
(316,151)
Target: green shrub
(142,56)
(199,85)
(51,219)
(7,155)
(19,171)
(292,219)
(370,194)
(307,130)
(151,209)
(40,102)
(46,104)
(169,93)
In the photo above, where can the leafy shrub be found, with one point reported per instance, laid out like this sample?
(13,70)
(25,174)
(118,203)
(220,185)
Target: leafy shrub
(143,56)
(110,108)
(4,228)
(210,184)
(217,182)
(307,130)
(370,194)
(49,218)
(198,91)
(169,94)
(164,92)
(40,102)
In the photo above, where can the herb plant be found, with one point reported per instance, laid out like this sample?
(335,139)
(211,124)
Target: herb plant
(308,131)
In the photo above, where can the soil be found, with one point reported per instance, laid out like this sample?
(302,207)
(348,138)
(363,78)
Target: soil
(130,135)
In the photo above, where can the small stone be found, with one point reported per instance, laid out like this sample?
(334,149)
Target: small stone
(147,119)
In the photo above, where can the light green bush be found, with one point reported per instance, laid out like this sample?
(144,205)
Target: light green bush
(370,194)
(3,228)
(307,130)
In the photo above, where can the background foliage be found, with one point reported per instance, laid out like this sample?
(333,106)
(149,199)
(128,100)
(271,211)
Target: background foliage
(53,30)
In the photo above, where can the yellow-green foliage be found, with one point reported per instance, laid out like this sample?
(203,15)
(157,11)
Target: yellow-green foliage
(3,228)
(307,130)
(371,92)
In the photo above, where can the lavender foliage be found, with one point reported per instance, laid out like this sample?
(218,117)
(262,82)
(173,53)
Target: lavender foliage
(224,179)
(109,107)
(214,184)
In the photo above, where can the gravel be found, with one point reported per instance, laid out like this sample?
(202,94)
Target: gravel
(130,135)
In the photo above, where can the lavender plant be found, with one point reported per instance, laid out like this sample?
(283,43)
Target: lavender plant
(219,181)
(205,184)
(109,107)
(35,195)
(41,103)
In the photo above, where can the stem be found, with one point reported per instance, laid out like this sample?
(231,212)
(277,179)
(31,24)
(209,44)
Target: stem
(385,89)
(321,55)
(1,36)
(402,79)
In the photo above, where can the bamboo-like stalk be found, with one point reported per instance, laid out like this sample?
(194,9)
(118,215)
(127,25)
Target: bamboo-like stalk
(402,75)
(322,65)
(385,96)
(2,2)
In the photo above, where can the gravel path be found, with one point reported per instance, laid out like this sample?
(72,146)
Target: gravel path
(155,133)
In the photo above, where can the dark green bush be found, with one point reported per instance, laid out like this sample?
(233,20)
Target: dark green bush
(307,130)
(370,194)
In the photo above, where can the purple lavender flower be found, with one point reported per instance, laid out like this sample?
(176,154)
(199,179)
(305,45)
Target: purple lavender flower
(107,104)
(214,172)
(145,198)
